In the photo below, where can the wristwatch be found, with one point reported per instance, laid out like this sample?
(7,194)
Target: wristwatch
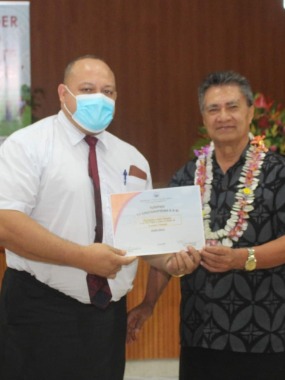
(250,263)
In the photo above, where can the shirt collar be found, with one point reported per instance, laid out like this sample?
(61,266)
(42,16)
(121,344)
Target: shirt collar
(75,135)
(243,154)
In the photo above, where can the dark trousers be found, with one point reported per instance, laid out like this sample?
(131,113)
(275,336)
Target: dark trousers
(204,364)
(45,335)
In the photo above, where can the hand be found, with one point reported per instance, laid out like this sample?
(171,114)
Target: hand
(136,318)
(104,260)
(183,262)
(222,259)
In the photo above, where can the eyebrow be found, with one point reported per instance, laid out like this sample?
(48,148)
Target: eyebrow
(110,85)
(233,102)
(215,105)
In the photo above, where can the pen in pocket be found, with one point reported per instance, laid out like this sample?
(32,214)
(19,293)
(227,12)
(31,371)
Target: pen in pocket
(125,173)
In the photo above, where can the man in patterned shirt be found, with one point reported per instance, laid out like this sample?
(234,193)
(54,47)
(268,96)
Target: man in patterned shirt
(233,306)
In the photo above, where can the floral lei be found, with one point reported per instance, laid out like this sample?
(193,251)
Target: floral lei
(244,198)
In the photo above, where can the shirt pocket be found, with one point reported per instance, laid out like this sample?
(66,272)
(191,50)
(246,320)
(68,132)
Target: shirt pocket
(135,184)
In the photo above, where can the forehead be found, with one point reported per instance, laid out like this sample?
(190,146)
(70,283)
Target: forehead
(90,70)
(223,94)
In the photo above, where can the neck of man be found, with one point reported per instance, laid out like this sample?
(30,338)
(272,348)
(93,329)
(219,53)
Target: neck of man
(227,153)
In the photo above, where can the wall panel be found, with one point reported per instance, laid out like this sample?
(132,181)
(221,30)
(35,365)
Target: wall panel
(160,50)
(159,337)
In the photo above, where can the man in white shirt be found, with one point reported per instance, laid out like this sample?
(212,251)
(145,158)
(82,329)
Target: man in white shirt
(48,327)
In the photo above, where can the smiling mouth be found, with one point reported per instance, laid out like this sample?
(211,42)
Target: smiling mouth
(225,128)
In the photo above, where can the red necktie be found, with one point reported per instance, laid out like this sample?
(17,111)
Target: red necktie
(99,290)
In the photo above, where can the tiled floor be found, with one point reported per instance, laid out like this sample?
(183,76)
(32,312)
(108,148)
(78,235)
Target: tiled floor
(151,370)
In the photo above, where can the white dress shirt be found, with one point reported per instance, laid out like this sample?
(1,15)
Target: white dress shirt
(44,174)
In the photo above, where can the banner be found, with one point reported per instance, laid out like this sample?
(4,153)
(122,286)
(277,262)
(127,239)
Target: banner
(15,75)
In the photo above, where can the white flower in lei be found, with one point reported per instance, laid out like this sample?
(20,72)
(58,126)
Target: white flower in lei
(244,198)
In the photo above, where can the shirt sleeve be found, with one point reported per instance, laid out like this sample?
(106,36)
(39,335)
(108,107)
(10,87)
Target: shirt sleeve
(184,176)
(19,176)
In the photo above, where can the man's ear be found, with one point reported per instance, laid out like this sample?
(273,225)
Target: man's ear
(251,113)
(61,92)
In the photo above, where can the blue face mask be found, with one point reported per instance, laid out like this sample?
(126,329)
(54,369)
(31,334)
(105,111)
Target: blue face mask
(94,112)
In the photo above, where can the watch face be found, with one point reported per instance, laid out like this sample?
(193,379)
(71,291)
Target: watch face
(250,264)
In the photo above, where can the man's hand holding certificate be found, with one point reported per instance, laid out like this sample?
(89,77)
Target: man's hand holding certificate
(158,221)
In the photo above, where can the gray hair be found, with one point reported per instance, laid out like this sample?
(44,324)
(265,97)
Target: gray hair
(222,78)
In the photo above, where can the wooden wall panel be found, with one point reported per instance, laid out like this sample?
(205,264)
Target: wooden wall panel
(159,50)
(159,337)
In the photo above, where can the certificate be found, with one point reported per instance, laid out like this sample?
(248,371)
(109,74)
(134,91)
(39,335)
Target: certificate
(157,221)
